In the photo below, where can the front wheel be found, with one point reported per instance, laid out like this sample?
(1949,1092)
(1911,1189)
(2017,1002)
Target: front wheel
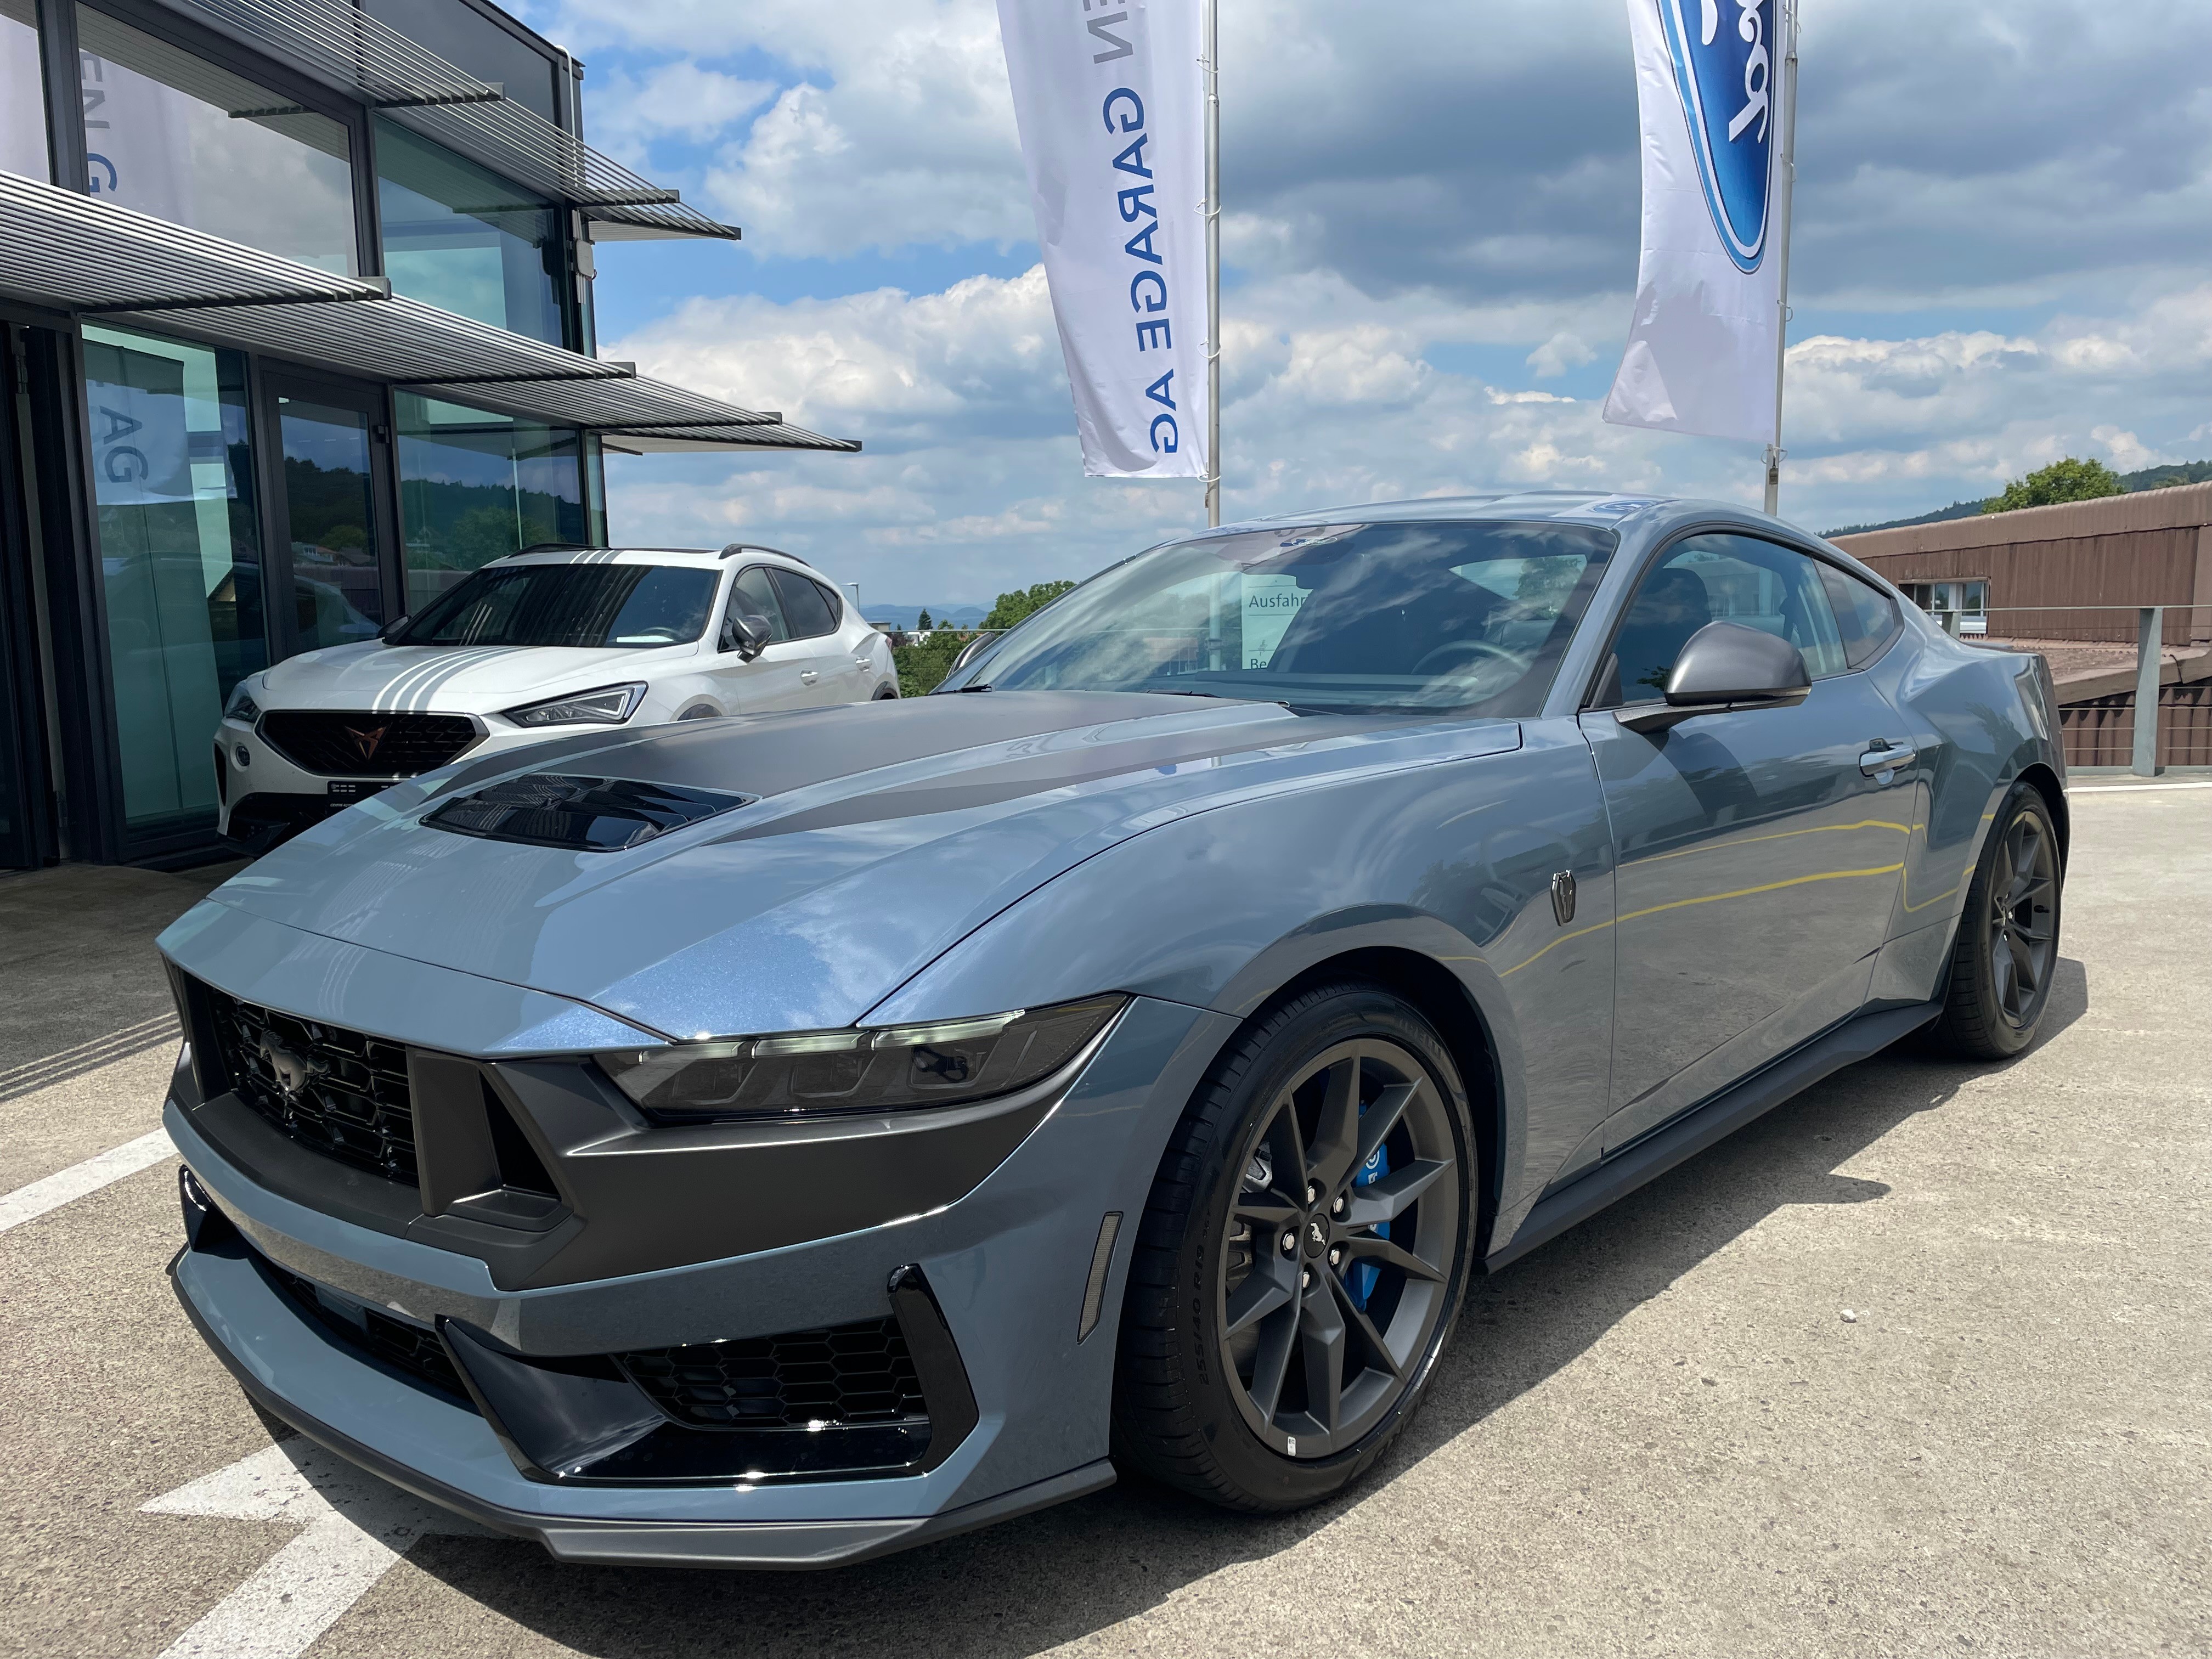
(2001,965)
(1301,1255)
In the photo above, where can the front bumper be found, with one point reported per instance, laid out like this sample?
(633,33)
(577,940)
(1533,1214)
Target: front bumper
(1008,1263)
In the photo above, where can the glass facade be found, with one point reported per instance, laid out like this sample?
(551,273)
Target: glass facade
(22,94)
(465,240)
(179,556)
(337,591)
(171,135)
(474,487)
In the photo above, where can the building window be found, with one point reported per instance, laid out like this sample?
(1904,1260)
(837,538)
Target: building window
(181,561)
(171,135)
(474,487)
(466,239)
(22,93)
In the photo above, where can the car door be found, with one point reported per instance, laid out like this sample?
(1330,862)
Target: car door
(1759,861)
(770,680)
(825,666)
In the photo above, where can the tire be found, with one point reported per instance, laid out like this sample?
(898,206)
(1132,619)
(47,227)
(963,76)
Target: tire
(1222,1376)
(2007,952)
(886,694)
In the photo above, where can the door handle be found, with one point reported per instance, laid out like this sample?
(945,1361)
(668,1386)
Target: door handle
(807,676)
(1883,756)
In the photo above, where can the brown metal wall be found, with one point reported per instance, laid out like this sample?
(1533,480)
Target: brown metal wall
(2102,731)
(2151,548)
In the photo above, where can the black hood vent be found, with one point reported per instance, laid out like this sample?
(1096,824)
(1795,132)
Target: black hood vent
(580,815)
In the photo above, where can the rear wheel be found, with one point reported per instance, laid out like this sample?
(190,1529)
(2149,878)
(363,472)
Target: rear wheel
(1302,1256)
(2007,946)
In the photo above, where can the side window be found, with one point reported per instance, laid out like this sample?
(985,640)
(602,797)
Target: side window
(1717,578)
(751,595)
(807,611)
(835,600)
(1865,615)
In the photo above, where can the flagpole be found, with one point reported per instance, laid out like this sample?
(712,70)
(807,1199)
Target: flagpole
(1212,25)
(1789,181)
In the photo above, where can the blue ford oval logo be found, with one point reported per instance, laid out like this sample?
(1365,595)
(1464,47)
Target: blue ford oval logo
(1725,53)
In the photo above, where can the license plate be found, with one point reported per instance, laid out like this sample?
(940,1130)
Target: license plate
(353,789)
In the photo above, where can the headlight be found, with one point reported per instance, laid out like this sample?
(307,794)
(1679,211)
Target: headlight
(611,705)
(889,1068)
(241,706)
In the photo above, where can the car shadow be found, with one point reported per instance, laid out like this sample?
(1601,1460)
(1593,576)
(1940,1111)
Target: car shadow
(1068,1572)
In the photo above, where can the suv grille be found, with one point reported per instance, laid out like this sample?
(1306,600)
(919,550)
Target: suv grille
(341,1092)
(843,1374)
(361,744)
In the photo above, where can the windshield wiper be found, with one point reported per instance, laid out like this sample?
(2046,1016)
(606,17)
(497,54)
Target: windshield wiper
(986,686)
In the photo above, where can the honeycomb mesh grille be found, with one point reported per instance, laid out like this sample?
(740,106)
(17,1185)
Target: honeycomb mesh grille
(348,1095)
(839,1375)
(410,1347)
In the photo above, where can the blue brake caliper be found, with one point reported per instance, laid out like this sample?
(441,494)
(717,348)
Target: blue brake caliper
(1360,1281)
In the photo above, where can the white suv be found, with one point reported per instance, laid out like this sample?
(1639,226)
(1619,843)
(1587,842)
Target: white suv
(537,646)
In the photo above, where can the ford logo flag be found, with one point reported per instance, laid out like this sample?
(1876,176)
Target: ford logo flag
(1712,90)
(1723,58)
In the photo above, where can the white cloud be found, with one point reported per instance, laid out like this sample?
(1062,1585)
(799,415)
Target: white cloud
(677,100)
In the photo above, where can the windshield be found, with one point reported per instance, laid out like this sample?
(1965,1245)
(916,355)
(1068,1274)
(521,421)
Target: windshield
(1387,618)
(574,604)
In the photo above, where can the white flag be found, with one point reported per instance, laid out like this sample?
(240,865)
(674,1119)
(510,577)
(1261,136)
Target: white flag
(1701,347)
(1109,100)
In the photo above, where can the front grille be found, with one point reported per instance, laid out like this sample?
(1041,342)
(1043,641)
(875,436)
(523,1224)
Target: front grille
(411,1348)
(364,744)
(842,1374)
(342,1092)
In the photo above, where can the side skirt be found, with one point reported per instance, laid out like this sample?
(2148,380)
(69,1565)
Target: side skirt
(1685,1137)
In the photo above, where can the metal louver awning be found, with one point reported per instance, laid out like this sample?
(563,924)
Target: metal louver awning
(108,264)
(359,55)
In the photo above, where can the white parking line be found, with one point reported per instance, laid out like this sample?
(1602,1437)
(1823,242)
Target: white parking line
(356,1528)
(29,1203)
(2131,788)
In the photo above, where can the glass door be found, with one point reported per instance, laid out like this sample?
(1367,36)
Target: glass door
(329,514)
(19,795)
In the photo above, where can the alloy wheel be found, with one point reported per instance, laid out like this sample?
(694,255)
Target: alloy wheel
(2022,936)
(1340,1247)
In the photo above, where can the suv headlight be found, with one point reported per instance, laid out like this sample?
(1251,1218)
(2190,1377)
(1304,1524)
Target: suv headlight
(609,705)
(241,706)
(889,1068)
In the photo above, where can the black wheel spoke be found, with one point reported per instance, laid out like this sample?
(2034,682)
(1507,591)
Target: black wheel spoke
(1270,1213)
(1272,1284)
(1271,1363)
(1321,1346)
(1387,1198)
(1364,1328)
(1331,1158)
(1365,1247)
(1381,1118)
(2023,963)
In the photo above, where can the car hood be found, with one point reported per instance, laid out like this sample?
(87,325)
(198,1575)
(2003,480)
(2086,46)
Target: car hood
(466,679)
(880,834)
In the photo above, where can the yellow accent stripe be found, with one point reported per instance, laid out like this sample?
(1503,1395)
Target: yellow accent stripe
(1779,835)
(1709,898)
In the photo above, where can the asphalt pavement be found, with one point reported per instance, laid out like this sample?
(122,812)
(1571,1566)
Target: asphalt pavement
(1916,1364)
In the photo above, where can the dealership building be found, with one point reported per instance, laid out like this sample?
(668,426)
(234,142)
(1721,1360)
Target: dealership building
(296,304)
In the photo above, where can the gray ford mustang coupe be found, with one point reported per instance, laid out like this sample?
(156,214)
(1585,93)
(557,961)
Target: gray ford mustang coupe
(775,1142)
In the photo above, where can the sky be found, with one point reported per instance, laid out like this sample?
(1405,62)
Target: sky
(2003,255)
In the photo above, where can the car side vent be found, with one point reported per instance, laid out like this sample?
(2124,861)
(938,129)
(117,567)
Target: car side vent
(582,815)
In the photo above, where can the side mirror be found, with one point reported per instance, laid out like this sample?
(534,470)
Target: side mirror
(1727,666)
(746,635)
(393,630)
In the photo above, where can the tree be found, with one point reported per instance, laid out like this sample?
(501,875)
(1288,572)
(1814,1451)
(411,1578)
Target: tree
(2068,480)
(1012,607)
(921,622)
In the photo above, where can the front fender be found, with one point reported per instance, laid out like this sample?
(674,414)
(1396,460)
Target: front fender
(1453,861)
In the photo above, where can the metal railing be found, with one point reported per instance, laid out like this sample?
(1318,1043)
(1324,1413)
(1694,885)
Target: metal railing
(2150,653)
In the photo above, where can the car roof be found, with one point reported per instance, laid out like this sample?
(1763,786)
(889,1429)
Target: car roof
(697,558)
